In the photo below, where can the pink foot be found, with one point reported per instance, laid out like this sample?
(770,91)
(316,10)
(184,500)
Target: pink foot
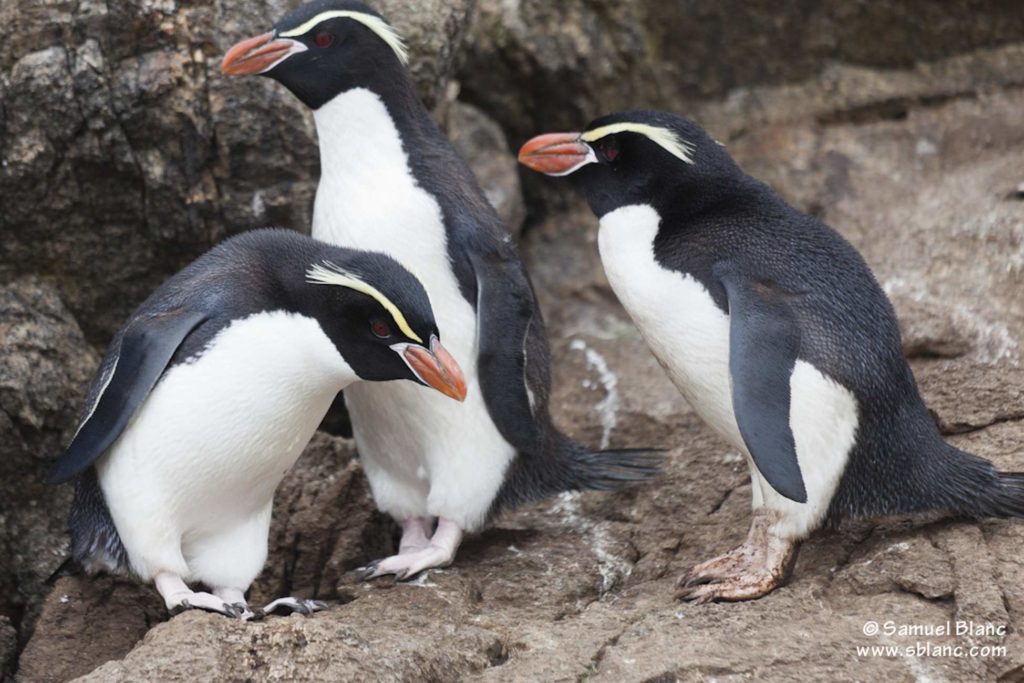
(438,552)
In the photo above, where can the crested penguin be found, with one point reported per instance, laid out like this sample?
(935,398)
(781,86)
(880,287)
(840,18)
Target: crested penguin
(391,181)
(210,392)
(773,328)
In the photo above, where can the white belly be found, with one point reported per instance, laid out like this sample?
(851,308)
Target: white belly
(423,453)
(210,444)
(689,335)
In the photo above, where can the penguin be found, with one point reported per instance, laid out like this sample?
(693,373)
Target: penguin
(392,182)
(774,329)
(210,392)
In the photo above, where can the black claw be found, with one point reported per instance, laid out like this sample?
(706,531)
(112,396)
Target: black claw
(694,581)
(258,614)
(308,607)
(406,576)
(180,607)
(234,611)
(364,573)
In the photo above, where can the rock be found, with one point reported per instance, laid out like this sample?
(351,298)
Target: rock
(45,365)
(8,647)
(914,161)
(147,147)
(481,142)
(85,622)
(324,524)
(435,31)
(538,65)
(903,561)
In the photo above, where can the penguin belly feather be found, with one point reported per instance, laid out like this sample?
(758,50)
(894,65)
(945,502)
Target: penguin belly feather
(690,336)
(190,482)
(423,454)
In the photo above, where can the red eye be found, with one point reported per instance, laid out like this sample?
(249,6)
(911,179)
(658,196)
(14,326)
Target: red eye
(380,328)
(323,39)
(610,151)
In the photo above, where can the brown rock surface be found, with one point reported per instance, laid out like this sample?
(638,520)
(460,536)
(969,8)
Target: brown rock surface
(117,128)
(8,647)
(480,141)
(916,163)
(537,64)
(578,588)
(45,364)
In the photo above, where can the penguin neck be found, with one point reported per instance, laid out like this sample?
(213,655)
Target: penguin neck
(325,306)
(690,206)
(365,130)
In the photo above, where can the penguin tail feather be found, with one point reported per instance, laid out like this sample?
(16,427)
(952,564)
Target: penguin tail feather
(570,466)
(976,489)
(612,470)
(69,567)
(1005,498)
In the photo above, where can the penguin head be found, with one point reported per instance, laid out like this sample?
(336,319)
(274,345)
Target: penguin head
(634,158)
(379,318)
(322,49)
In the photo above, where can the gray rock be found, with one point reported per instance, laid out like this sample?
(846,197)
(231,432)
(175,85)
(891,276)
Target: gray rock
(480,141)
(8,646)
(84,622)
(45,365)
(146,156)
(916,163)
(537,65)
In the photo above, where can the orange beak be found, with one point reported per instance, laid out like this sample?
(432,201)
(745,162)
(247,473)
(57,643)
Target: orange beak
(437,368)
(555,153)
(254,55)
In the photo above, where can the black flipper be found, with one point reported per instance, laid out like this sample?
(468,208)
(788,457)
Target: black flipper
(505,313)
(513,366)
(146,348)
(763,345)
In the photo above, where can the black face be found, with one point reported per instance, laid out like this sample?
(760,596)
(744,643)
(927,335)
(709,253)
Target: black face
(341,54)
(365,335)
(379,318)
(627,167)
(318,59)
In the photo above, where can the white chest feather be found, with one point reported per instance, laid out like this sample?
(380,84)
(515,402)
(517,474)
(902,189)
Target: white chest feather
(369,199)
(689,335)
(414,442)
(676,315)
(216,435)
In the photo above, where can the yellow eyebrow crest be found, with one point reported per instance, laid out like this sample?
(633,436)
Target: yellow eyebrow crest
(383,30)
(664,137)
(331,274)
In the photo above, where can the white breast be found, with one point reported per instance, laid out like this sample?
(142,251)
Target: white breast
(676,315)
(689,335)
(424,453)
(210,444)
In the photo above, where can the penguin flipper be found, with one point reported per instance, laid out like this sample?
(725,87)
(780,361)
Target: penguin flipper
(147,346)
(764,339)
(505,313)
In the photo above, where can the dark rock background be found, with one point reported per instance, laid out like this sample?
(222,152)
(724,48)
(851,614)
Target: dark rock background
(124,154)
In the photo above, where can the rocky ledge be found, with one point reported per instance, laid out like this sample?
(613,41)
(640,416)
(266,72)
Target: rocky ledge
(917,164)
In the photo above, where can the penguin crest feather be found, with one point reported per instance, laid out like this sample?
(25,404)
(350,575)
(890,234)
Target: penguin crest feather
(663,137)
(329,273)
(383,29)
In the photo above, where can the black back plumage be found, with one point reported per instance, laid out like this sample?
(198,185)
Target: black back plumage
(717,219)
